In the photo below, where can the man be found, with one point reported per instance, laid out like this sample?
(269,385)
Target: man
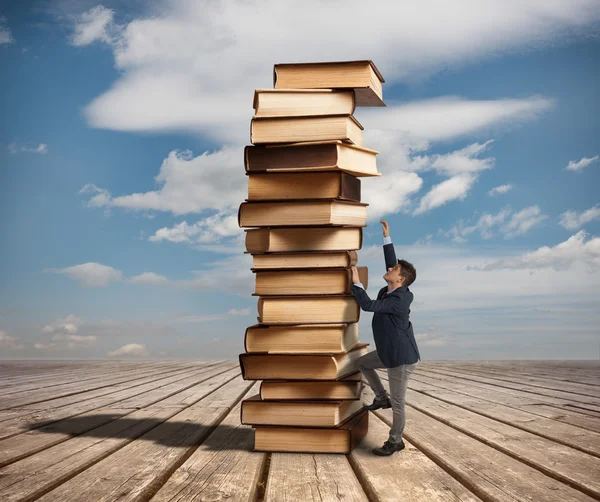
(394,339)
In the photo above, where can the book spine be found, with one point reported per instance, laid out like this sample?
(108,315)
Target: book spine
(349,187)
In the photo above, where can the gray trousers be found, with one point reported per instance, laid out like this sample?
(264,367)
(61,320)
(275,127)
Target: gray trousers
(398,380)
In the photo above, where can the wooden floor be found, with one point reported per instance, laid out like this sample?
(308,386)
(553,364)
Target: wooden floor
(169,431)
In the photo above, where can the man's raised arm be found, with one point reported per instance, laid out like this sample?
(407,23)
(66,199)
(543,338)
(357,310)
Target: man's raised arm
(388,248)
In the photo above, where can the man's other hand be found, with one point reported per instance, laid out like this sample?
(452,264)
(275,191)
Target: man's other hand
(355,276)
(386,228)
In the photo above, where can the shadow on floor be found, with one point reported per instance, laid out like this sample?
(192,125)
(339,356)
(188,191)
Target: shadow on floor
(175,433)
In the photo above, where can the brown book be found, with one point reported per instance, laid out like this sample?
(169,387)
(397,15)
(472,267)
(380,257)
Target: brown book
(300,129)
(298,413)
(307,309)
(302,102)
(292,390)
(308,157)
(280,186)
(301,366)
(362,76)
(301,338)
(342,439)
(302,213)
(307,282)
(289,240)
(282,261)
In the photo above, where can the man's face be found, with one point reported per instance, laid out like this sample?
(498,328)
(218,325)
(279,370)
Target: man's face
(393,274)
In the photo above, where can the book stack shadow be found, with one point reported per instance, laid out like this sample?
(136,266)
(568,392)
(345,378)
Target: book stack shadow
(303,220)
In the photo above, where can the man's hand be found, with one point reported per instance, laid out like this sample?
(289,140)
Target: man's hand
(386,228)
(355,276)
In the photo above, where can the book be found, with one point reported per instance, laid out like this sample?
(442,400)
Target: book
(281,186)
(302,213)
(308,157)
(298,413)
(300,129)
(307,309)
(342,439)
(307,338)
(300,366)
(289,240)
(275,261)
(284,390)
(302,102)
(307,282)
(362,76)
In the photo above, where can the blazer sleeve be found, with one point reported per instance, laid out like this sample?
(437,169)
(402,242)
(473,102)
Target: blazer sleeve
(389,305)
(390,256)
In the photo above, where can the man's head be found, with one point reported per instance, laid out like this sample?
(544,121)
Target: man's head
(401,274)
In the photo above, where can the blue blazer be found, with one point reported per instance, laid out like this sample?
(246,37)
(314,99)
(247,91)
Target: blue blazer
(392,329)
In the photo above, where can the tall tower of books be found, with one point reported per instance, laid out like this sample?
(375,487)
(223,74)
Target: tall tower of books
(304,220)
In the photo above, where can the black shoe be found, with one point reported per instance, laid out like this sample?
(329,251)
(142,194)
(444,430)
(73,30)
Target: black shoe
(389,449)
(378,404)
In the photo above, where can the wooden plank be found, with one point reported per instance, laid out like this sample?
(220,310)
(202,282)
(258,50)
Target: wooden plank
(14,372)
(545,383)
(38,396)
(39,375)
(522,412)
(408,475)
(140,468)
(47,382)
(550,370)
(513,398)
(222,468)
(28,443)
(12,421)
(561,462)
(119,447)
(303,476)
(582,402)
(487,472)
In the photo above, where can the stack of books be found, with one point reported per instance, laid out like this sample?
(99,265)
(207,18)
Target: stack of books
(304,219)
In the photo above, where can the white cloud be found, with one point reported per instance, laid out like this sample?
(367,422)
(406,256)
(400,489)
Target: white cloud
(212,317)
(100,198)
(9,342)
(188,184)
(64,335)
(148,278)
(94,25)
(454,188)
(238,312)
(390,193)
(450,117)
(560,257)
(230,275)
(572,220)
(523,221)
(485,225)
(582,163)
(501,189)
(463,166)
(209,230)
(90,274)
(67,326)
(130,350)
(168,59)
(5,34)
(13,148)
(74,341)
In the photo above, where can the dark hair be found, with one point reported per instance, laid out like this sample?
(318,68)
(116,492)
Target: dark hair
(407,271)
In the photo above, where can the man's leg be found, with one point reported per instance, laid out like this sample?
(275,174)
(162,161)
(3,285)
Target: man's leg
(367,365)
(398,378)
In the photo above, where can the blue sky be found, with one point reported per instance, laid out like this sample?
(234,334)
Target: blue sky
(121,144)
